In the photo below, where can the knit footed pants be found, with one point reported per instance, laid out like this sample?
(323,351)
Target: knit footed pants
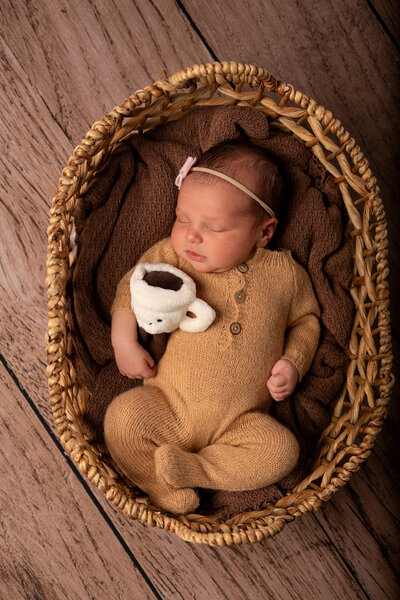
(157,448)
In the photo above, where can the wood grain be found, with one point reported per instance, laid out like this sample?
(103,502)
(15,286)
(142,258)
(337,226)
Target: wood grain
(83,57)
(363,522)
(336,53)
(59,74)
(49,531)
(278,568)
(388,13)
(173,566)
(36,61)
(32,156)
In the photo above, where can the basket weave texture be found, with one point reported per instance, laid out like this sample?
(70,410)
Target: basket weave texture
(361,407)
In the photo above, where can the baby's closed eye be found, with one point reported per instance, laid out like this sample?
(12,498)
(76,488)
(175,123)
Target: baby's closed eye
(214,229)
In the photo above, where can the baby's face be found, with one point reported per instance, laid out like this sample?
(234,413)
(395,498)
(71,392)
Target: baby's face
(214,230)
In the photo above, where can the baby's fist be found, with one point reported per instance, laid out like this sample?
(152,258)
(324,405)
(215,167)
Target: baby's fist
(283,379)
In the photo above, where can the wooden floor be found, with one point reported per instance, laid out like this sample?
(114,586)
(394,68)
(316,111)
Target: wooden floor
(63,64)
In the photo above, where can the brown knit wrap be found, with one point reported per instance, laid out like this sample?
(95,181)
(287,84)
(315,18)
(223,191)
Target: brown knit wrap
(131,205)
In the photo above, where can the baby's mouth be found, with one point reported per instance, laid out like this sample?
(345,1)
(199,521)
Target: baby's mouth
(194,256)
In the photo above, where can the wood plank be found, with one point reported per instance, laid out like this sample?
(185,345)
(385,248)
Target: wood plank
(336,53)
(173,566)
(84,57)
(278,568)
(298,546)
(182,570)
(39,145)
(55,544)
(197,569)
(30,165)
(394,407)
(388,14)
(362,520)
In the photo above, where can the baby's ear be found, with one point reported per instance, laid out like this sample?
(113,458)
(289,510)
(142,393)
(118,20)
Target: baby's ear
(267,231)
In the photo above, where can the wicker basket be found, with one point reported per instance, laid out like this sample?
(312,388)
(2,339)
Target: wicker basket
(359,411)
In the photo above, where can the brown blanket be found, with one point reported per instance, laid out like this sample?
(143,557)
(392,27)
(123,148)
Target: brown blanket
(131,205)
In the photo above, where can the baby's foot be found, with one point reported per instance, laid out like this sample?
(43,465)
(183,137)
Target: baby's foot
(177,501)
(177,467)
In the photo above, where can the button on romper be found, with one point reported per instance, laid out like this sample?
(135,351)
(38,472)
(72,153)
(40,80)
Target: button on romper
(203,420)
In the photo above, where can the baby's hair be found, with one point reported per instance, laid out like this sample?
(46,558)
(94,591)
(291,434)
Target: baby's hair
(251,166)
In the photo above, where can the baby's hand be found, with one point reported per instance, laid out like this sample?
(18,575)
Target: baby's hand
(282,380)
(134,361)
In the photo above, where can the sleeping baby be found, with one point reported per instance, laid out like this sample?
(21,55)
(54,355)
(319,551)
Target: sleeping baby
(201,418)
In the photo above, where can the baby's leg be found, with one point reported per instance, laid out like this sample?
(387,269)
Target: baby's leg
(136,423)
(254,452)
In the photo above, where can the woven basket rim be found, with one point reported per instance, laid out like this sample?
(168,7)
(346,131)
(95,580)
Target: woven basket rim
(369,367)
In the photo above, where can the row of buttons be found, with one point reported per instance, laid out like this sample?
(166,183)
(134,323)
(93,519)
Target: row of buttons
(240,297)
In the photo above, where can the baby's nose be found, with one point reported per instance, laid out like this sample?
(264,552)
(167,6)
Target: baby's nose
(193,235)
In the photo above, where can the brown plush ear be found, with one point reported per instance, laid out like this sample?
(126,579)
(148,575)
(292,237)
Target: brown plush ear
(163,279)
(154,344)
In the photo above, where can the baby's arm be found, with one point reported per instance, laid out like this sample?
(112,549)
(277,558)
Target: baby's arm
(132,359)
(301,338)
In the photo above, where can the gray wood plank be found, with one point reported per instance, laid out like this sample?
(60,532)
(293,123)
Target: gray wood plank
(55,544)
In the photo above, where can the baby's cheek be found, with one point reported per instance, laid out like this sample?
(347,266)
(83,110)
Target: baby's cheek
(177,238)
(174,234)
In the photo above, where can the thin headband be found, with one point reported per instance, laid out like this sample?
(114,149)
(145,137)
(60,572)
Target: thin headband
(188,167)
(238,185)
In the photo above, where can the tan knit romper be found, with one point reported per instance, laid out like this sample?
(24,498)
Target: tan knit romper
(203,421)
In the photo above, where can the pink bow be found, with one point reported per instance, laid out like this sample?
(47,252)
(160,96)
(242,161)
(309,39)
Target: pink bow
(188,164)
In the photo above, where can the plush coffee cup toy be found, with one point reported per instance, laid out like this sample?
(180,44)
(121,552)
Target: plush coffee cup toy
(161,298)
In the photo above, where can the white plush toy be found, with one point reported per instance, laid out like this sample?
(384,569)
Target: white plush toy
(161,297)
